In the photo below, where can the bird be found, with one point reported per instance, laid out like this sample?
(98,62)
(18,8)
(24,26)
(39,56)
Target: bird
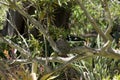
(63,47)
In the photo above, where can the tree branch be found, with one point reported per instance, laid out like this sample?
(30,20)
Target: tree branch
(107,52)
(93,22)
(109,19)
(41,60)
(80,57)
(12,44)
(36,23)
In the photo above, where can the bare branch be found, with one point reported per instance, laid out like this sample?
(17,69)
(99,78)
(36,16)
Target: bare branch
(45,77)
(55,59)
(12,44)
(109,19)
(110,53)
(36,23)
(41,60)
(14,26)
(34,70)
(106,46)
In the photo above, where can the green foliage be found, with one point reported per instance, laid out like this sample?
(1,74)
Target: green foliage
(97,68)
(35,46)
(2,12)
(56,32)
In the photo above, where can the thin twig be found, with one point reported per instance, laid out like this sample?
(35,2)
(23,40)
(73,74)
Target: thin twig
(109,19)
(14,26)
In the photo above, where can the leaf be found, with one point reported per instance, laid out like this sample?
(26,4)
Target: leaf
(6,54)
(52,77)
(59,3)
(46,77)
(42,15)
